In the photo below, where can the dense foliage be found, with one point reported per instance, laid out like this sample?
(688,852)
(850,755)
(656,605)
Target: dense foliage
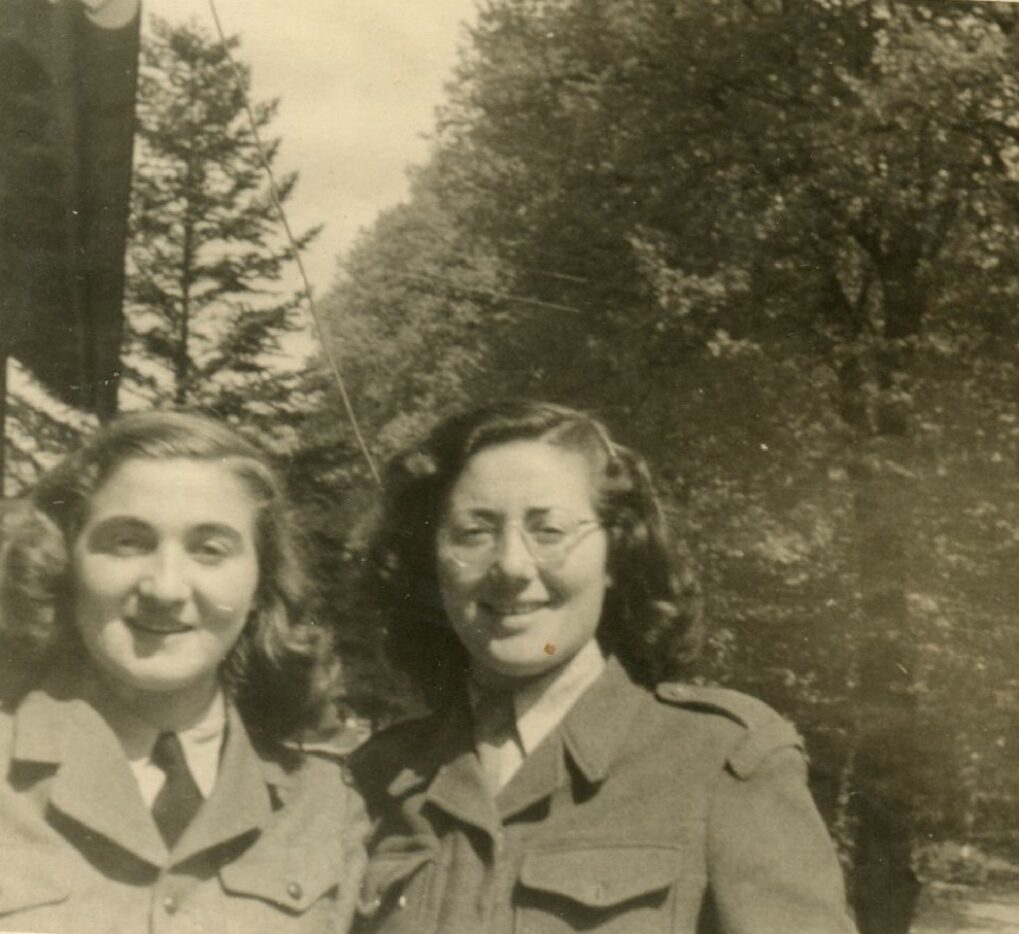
(773,242)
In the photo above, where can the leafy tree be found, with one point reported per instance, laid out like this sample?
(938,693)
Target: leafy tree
(776,241)
(206,305)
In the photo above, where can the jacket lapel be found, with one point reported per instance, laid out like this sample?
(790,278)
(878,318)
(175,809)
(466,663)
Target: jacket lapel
(459,790)
(93,783)
(590,735)
(240,802)
(541,773)
(599,723)
(94,786)
(451,774)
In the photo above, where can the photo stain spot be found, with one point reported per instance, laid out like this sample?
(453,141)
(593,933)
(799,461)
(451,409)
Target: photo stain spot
(549,648)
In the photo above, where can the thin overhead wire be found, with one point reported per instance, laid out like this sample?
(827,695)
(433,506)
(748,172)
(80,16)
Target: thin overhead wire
(277,202)
(566,277)
(487,293)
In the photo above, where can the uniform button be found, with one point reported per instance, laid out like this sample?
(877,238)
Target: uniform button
(294,890)
(169,904)
(402,901)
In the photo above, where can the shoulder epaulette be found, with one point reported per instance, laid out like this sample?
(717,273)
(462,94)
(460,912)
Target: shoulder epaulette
(766,731)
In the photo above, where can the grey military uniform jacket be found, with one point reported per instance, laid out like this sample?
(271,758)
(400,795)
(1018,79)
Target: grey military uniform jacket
(278,847)
(685,812)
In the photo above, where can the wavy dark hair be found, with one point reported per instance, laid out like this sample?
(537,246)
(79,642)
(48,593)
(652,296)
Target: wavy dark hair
(279,673)
(649,619)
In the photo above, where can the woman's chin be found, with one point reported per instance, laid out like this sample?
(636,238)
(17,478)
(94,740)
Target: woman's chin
(517,663)
(156,678)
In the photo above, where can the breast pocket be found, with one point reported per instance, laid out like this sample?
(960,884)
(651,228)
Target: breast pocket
(290,880)
(611,889)
(30,880)
(395,892)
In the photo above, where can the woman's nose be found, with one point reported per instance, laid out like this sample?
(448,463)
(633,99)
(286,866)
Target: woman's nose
(514,559)
(166,578)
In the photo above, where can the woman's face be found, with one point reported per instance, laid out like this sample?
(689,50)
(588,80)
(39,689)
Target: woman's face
(165,570)
(517,616)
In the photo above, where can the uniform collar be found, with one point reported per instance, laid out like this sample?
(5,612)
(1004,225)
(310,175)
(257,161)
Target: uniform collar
(436,757)
(542,704)
(41,724)
(590,736)
(593,732)
(54,725)
(201,741)
(93,783)
(240,803)
(598,724)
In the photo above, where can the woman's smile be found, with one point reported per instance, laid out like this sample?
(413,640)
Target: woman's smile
(157,627)
(165,574)
(514,609)
(510,607)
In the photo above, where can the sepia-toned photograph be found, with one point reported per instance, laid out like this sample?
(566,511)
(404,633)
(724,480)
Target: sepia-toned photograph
(503,466)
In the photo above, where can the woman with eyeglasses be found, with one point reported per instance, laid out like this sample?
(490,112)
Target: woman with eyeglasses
(559,784)
(158,665)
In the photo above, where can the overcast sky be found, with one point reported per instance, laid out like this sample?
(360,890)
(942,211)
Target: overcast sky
(359,81)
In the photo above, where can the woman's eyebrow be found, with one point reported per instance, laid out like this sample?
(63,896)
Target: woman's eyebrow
(134,523)
(216,528)
(115,521)
(99,534)
(554,509)
(473,512)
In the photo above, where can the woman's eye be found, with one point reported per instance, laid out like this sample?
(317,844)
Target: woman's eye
(127,545)
(120,539)
(548,534)
(471,534)
(211,551)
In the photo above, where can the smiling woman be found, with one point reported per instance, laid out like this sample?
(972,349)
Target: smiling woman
(560,784)
(151,591)
(522,584)
(164,571)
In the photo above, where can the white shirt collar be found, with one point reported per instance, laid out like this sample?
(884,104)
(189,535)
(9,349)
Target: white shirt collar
(543,704)
(202,743)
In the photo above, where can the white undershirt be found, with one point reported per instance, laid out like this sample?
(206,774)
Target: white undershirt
(542,705)
(202,743)
(538,708)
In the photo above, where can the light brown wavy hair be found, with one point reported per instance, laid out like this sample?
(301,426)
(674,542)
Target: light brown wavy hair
(280,672)
(649,619)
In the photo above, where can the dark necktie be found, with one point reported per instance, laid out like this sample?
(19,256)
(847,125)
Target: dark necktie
(179,799)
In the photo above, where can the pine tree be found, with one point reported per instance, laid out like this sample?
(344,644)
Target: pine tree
(206,308)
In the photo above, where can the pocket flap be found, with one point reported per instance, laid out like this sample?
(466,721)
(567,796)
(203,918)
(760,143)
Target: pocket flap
(292,878)
(602,876)
(386,875)
(29,879)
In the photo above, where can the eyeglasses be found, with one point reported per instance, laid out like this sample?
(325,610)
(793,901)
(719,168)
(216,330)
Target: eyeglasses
(475,542)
